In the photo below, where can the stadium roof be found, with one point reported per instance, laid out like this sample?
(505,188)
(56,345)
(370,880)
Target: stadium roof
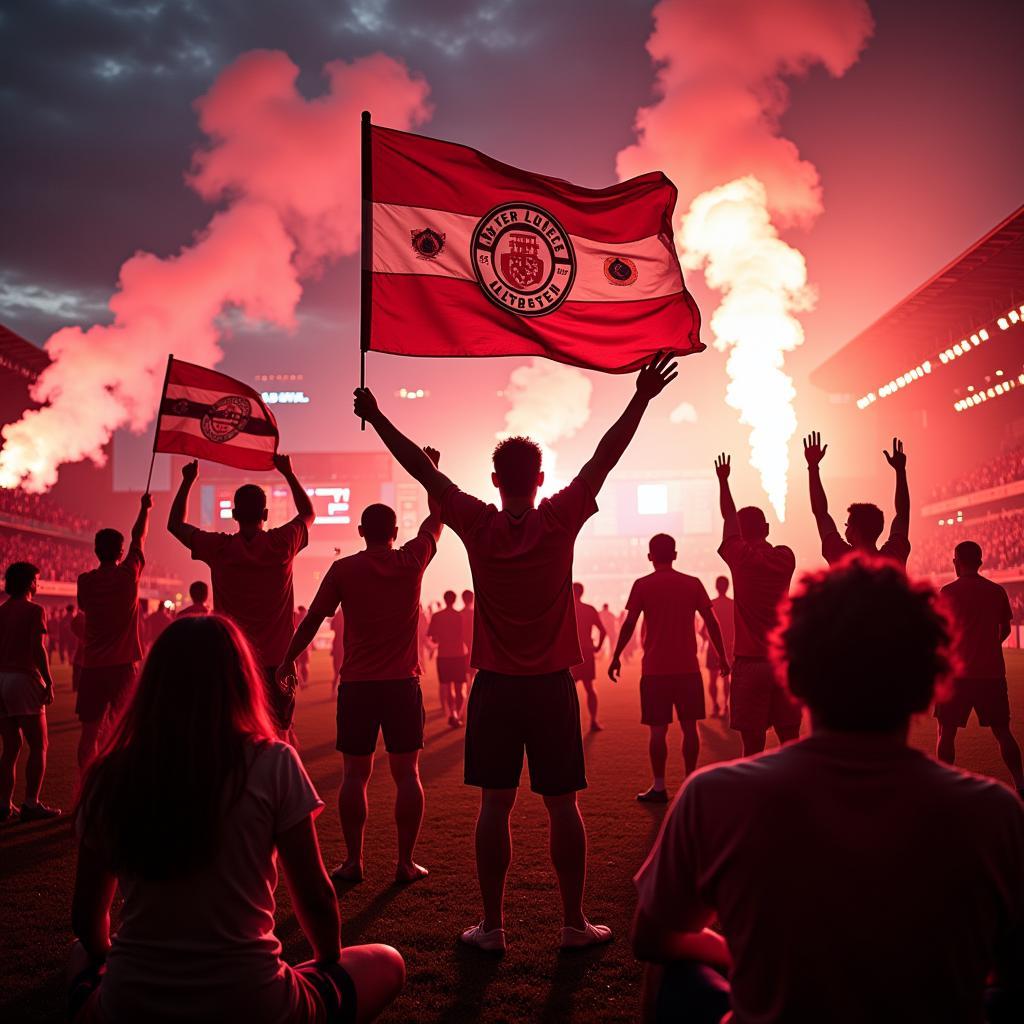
(965,295)
(21,357)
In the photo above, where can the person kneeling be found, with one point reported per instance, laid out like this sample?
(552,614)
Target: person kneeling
(852,877)
(187,812)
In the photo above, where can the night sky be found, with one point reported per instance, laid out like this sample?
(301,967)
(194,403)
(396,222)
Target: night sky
(918,146)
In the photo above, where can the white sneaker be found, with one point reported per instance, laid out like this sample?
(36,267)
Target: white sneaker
(589,935)
(492,941)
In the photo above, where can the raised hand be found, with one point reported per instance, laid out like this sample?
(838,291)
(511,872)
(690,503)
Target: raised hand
(614,668)
(190,471)
(365,405)
(898,460)
(433,454)
(814,451)
(659,372)
(146,501)
(723,466)
(282,463)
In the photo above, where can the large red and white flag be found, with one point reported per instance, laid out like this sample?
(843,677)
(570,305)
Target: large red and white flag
(208,415)
(471,257)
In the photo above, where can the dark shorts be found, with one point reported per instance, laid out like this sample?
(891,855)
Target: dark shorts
(103,688)
(280,703)
(330,994)
(660,694)
(986,697)
(451,670)
(759,702)
(586,669)
(538,715)
(369,707)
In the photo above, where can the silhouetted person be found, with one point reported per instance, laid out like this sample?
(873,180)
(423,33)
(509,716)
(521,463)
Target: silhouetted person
(851,877)
(109,597)
(524,643)
(188,813)
(611,628)
(199,594)
(722,606)
(864,522)
(337,648)
(468,613)
(78,654)
(26,689)
(668,600)
(587,620)
(251,571)
(379,591)
(155,623)
(448,632)
(761,574)
(66,638)
(302,659)
(982,615)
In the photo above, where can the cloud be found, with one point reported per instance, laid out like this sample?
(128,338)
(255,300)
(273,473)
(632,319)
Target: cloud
(683,413)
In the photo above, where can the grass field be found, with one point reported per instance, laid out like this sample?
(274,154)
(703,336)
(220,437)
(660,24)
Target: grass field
(445,981)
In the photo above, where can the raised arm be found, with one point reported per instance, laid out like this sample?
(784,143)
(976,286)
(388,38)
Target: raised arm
(625,634)
(650,382)
(714,633)
(140,528)
(730,520)
(898,461)
(303,506)
(176,524)
(413,460)
(432,524)
(814,452)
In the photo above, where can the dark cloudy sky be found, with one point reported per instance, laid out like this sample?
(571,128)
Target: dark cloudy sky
(919,148)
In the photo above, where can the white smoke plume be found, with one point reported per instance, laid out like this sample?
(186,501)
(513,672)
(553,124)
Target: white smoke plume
(714,129)
(549,402)
(684,412)
(287,169)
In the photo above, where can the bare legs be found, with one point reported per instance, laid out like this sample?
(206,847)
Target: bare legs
(753,741)
(657,748)
(33,728)
(1008,748)
(568,845)
(588,685)
(88,742)
(378,973)
(10,733)
(494,852)
(691,744)
(458,699)
(353,811)
(408,812)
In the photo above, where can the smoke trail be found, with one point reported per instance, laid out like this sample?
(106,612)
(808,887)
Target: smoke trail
(288,169)
(714,129)
(549,402)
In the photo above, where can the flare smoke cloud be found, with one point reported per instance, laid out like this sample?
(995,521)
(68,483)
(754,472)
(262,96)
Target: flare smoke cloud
(286,170)
(722,67)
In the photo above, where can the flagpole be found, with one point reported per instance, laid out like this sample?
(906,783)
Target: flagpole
(156,427)
(366,256)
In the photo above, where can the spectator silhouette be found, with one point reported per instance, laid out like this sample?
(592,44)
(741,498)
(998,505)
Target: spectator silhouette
(610,624)
(864,522)
(188,812)
(252,572)
(379,591)
(761,574)
(524,643)
(981,614)
(155,623)
(199,594)
(337,648)
(587,620)
(26,689)
(852,878)
(112,647)
(722,605)
(670,678)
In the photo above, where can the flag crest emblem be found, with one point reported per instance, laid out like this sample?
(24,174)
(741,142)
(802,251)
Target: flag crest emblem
(428,243)
(226,418)
(523,259)
(620,270)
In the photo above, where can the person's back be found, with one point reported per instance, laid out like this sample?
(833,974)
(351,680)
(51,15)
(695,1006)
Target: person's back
(854,882)
(669,600)
(981,610)
(761,574)
(447,631)
(724,609)
(109,597)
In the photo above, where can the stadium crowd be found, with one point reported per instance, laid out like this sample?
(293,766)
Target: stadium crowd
(1001,537)
(42,509)
(1003,469)
(59,559)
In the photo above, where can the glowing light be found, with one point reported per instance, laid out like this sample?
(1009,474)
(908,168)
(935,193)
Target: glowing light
(1004,324)
(1014,316)
(982,334)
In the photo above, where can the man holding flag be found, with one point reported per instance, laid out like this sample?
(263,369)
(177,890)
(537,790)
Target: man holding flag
(525,642)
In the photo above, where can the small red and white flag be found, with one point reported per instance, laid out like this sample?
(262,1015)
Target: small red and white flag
(471,257)
(208,415)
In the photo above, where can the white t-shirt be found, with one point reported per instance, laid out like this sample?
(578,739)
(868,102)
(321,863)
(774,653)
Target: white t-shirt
(854,878)
(205,943)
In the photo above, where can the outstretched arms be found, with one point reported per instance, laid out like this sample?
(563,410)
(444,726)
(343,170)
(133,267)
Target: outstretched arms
(414,460)
(176,524)
(898,461)
(303,506)
(814,452)
(140,528)
(730,520)
(625,633)
(650,382)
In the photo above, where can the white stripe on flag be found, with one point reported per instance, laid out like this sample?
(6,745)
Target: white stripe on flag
(393,253)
